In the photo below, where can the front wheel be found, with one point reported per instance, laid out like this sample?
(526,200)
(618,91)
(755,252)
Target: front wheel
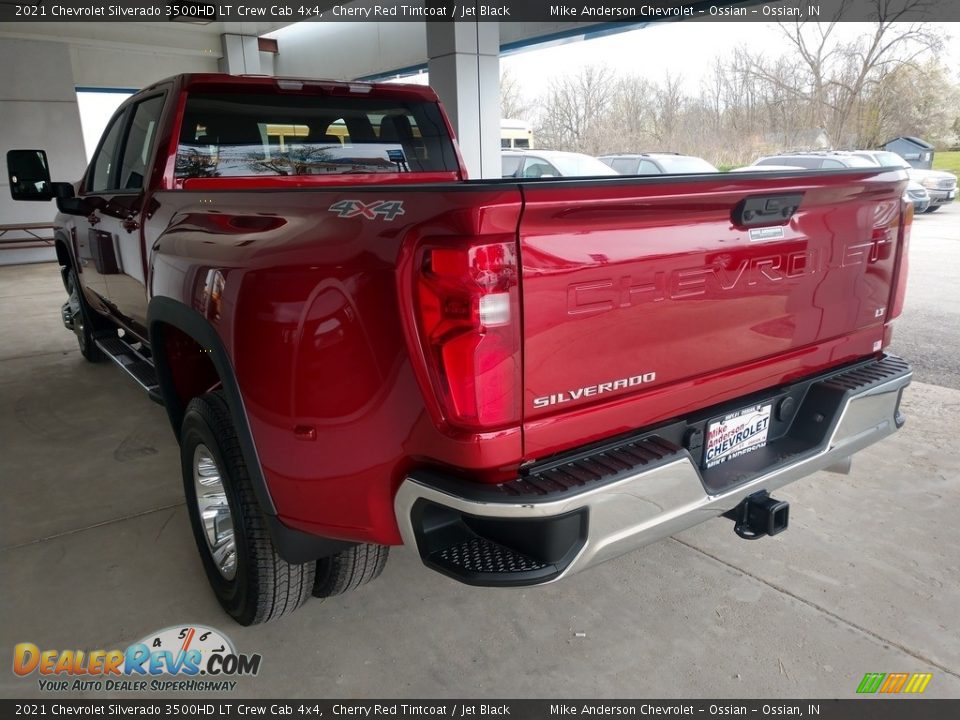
(84,321)
(250,579)
(932,208)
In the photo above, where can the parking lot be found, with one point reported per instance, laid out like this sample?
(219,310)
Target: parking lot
(97,552)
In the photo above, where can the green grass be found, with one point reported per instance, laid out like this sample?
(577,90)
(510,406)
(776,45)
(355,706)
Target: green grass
(947,160)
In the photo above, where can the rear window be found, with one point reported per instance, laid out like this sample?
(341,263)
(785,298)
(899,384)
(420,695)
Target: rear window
(225,135)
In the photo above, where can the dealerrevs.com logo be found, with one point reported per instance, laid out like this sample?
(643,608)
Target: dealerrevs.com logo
(186,658)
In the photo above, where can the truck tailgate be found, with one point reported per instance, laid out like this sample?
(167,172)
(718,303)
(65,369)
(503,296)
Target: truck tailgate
(647,298)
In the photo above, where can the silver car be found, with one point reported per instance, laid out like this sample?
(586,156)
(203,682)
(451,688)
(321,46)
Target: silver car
(940,185)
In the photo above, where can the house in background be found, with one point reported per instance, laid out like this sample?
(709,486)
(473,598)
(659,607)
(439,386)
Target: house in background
(917,152)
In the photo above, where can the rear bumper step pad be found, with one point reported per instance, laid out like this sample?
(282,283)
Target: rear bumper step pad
(574,511)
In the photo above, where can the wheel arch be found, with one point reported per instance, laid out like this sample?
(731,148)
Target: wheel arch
(61,245)
(166,315)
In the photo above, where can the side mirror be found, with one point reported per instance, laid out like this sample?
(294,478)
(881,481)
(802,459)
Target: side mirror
(29,175)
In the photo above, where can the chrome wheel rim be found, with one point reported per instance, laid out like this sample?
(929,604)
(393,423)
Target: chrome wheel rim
(214,510)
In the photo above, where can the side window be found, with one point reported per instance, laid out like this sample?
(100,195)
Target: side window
(140,139)
(624,166)
(104,170)
(648,167)
(537,167)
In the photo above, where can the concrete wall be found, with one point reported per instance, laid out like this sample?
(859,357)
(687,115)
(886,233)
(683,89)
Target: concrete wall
(38,103)
(350,50)
(107,67)
(38,109)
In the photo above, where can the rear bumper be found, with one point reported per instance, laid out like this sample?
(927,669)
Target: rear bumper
(575,512)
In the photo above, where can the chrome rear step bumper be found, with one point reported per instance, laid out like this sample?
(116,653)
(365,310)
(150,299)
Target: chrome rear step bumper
(573,515)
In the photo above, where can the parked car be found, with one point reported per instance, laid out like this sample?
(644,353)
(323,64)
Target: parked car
(941,185)
(551,163)
(657,164)
(358,348)
(917,195)
(914,193)
(822,160)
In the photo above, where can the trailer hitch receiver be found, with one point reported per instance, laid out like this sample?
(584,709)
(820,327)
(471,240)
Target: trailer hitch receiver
(759,515)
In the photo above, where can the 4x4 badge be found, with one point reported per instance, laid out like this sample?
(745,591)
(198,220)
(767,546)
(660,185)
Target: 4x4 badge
(387,209)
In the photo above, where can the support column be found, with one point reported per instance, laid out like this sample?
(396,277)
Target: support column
(241,55)
(464,64)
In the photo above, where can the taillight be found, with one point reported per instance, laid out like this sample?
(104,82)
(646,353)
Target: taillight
(469,323)
(903,252)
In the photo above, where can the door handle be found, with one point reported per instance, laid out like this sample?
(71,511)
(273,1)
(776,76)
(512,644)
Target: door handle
(93,218)
(130,224)
(766,209)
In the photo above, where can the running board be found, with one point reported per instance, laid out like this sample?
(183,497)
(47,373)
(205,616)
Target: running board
(134,361)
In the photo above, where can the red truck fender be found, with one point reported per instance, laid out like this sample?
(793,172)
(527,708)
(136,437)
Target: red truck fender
(165,314)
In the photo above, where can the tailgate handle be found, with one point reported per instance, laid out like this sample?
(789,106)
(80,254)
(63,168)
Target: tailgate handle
(765,209)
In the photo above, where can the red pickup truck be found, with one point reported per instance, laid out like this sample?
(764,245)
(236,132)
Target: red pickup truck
(358,347)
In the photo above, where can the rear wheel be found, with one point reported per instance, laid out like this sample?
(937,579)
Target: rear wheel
(248,576)
(85,321)
(349,569)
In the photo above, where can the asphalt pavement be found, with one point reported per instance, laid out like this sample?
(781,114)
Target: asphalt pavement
(928,332)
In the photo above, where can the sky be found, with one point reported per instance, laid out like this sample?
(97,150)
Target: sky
(684,49)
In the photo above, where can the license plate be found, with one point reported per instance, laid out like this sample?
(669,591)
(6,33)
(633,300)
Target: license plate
(736,434)
(951,195)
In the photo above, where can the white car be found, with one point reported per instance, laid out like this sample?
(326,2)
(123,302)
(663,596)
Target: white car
(551,163)
(659,163)
(940,185)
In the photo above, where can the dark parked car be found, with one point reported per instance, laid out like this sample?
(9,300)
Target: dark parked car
(657,164)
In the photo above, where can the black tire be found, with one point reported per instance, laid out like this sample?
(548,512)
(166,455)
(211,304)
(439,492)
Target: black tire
(264,586)
(85,321)
(931,209)
(349,569)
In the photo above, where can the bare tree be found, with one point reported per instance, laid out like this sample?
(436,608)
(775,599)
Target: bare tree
(512,104)
(574,109)
(840,72)
(669,103)
(910,100)
(627,125)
